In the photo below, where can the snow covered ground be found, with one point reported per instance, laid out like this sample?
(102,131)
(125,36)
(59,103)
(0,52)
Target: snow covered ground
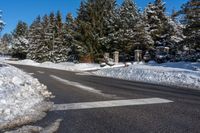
(180,74)
(3,58)
(22,98)
(195,66)
(68,66)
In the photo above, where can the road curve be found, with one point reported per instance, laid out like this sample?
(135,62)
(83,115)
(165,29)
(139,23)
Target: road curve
(180,116)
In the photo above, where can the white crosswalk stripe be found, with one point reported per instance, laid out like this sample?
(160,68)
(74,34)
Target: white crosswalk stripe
(107,104)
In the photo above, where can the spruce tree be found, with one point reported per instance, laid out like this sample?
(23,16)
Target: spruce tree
(20,41)
(129,17)
(111,23)
(176,36)
(192,28)
(47,39)
(69,36)
(44,49)
(50,34)
(6,42)
(142,38)
(60,48)
(82,12)
(35,40)
(157,22)
(2,23)
(85,31)
(90,25)
(58,21)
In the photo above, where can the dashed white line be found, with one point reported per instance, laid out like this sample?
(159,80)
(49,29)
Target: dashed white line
(107,104)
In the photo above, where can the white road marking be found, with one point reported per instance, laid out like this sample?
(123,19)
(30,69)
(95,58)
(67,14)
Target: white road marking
(76,84)
(40,72)
(31,73)
(84,73)
(107,104)
(83,87)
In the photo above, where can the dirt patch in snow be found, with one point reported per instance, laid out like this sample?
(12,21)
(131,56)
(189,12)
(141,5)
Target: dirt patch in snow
(35,129)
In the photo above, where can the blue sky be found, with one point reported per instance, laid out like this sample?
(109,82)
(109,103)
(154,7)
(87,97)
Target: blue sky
(27,10)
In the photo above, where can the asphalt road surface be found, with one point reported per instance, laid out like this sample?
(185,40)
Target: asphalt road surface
(91,104)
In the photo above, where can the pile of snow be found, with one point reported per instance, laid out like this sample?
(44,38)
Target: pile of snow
(28,62)
(139,63)
(3,58)
(22,98)
(68,66)
(195,66)
(165,75)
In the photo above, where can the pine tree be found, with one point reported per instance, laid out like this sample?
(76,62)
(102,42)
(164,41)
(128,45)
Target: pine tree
(69,36)
(20,41)
(2,23)
(35,40)
(129,17)
(54,43)
(45,21)
(192,29)
(157,22)
(2,44)
(47,35)
(111,23)
(58,21)
(47,39)
(142,38)
(86,31)
(175,34)
(82,12)
(6,42)
(60,48)
(104,8)
(90,25)
(126,29)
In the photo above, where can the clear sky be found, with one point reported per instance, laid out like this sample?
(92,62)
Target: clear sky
(27,10)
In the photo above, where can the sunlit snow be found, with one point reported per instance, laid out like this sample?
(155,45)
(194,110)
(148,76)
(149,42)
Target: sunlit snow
(22,98)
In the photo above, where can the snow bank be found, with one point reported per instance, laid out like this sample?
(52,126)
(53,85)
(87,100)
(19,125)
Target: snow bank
(68,66)
(195,66)
(157,74)
(3,58)
(22,98)
(28,62)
